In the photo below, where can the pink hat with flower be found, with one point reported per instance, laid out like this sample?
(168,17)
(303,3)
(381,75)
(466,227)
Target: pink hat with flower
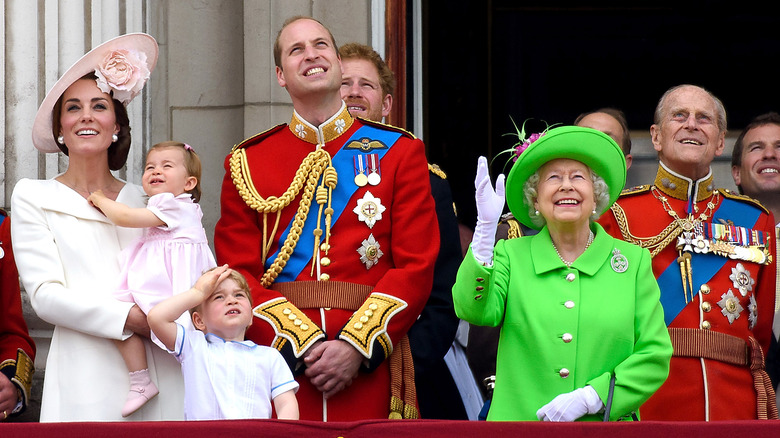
(122,66)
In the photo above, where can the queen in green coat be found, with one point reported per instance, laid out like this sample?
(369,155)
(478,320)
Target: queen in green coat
(582,327)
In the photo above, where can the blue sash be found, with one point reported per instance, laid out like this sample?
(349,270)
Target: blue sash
(344,165)
(703,266)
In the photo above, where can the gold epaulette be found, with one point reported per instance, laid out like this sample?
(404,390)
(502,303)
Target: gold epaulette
(744,198)
(290,324)
(257,138)
(514,229)
(436,170)
(644,188)
(386,126)
(369,324)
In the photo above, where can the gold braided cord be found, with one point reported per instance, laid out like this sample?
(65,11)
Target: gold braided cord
(655,243)
(324,196)
(658,242)
(266,241)
(514,229)
(306,178)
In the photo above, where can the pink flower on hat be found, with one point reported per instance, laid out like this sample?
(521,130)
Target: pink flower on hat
(124,72)
(521,147)
(523,142)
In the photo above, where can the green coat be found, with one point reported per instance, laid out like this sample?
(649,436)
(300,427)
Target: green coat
(563,328)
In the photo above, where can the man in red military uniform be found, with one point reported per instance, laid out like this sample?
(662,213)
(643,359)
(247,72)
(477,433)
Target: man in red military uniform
(17,350)
(331,220)
(714,259)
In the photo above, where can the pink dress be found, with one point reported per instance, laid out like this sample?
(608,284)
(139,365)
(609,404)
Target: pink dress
(168,259)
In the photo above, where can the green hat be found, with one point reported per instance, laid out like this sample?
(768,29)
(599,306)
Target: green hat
(589,146)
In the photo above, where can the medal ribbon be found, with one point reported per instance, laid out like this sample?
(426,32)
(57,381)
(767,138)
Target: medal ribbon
(358,162)
(372,163)
(705,266)
(344,163)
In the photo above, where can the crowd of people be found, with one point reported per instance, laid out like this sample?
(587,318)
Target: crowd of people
(338,289)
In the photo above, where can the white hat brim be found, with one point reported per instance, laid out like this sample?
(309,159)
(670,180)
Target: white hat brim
(43,138)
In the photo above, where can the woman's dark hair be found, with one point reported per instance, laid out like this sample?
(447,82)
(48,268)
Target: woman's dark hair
(118,151)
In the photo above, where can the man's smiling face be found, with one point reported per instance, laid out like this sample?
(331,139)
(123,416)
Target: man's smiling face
(309,61)
(688,137)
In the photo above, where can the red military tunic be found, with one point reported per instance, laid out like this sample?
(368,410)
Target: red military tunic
(17,350)
(374,279)
(717,280)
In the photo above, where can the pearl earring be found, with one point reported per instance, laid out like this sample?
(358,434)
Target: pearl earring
(594,211)
(61,140)
(114,138)
(536,212)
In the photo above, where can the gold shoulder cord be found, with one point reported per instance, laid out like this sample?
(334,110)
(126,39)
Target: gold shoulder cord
(316,164)
(514,229)
(655,243)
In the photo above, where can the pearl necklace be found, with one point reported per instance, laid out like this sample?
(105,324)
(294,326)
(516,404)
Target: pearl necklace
(566,262)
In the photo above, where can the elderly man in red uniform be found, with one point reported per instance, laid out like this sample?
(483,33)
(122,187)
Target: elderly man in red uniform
(331,219)
(714,259)
(17,350)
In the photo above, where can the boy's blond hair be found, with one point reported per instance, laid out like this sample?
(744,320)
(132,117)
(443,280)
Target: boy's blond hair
(240,281)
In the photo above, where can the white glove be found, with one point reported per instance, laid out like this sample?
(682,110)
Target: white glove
(490,205)
(571,406)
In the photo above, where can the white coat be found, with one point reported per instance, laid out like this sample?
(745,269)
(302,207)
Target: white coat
(67,255)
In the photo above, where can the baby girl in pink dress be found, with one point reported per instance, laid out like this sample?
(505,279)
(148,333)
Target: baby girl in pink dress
(170,256)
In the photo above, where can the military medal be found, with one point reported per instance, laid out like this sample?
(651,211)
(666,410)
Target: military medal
(738,243)
(730,307)
(369,209)
(618,261)
(741,279)
(752,312)
(373,170)
(369,252)
(360,171)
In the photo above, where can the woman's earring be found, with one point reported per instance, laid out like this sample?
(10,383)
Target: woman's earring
(114,138)
(594,211)
(536,212)
(61,140)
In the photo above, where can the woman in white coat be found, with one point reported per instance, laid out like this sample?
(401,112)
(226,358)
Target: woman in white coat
(67,251)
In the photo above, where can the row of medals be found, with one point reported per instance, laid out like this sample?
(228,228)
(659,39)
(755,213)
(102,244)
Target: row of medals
(369,208)
(368,173)
(692,239)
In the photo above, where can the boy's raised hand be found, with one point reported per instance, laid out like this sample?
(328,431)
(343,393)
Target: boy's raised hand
(211,279)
